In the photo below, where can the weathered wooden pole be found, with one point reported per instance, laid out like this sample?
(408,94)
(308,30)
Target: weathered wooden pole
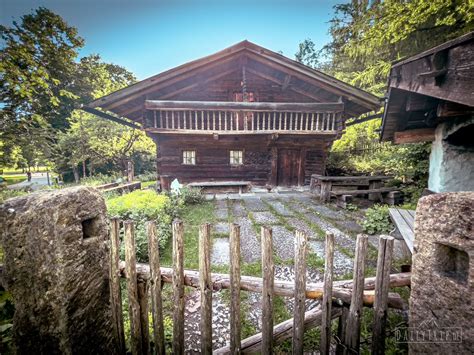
(352,332)
(267,291)
(205,285)
(325,343)
(155,289)
(178,288)
(132,290)
(235,325)
(384,263)
(115,281)
(300,290)
(142,288)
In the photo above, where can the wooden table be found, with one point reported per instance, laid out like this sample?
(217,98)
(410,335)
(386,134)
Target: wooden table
(326,182)
(404,220)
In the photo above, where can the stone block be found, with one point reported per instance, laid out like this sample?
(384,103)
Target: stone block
(442,284)
(56,266)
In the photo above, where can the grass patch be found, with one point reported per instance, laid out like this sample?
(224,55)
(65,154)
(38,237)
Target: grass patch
(318,231)
(148,183)
(13,179)
(192,216)
(281,219)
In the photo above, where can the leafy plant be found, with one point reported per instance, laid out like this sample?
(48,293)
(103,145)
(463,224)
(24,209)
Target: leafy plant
(142,206)
(377,220)
(191,196)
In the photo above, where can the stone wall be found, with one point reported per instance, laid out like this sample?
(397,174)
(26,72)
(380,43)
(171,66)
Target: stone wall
(442,291)
(452,165)
(57,268)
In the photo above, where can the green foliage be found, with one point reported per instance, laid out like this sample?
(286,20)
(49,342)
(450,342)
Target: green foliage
(5,194)
(100,179)
(377,220)
(191,195)
(147,176)
(192,216)
(367,36)
(142,206)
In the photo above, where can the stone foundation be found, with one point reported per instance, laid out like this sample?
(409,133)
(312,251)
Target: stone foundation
(57,268)
(442,295)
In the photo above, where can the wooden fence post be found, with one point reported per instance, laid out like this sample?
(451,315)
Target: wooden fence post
(205,284)
(267,291)
(341,330)
(382,280)
(115,282)
(178,288)
(133,304)
(300,291)
(325,343)
(235,325)
(155,289)
(142,288)
(352,332)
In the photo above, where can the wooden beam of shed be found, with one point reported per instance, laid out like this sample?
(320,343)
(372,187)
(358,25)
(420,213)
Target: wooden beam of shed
(414,136)
(110,117)
(239,106)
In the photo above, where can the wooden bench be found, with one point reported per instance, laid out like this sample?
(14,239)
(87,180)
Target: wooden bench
(389,195)
(222,186)
(404,220)
(128,187)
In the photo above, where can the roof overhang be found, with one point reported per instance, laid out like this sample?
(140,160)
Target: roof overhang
(129,102)
(429,88)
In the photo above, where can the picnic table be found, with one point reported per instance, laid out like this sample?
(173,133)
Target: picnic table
(326,183)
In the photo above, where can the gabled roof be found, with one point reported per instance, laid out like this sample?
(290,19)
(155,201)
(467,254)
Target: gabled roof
(128,102)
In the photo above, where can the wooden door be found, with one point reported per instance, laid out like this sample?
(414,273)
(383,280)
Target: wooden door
(288,167)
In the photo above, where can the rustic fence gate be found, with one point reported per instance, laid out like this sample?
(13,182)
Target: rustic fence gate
(340,299)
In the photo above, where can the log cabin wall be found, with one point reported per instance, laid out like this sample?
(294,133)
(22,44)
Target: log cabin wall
(290,116)
(262,158)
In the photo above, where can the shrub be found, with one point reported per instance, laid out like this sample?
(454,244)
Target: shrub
(148,176)
(142,206)
(377,220)
(100,179)
(191,196)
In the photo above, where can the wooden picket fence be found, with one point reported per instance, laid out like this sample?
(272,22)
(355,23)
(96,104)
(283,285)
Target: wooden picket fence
(343,300)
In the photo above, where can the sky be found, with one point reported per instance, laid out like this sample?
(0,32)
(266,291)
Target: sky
(151,36)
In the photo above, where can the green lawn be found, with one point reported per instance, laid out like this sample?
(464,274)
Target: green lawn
(14,179)
(193,216)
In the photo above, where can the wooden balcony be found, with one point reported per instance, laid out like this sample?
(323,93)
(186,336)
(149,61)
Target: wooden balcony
(204,117)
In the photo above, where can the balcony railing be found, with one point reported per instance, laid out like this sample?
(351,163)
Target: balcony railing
(241,117)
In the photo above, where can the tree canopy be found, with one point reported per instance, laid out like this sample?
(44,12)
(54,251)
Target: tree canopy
(366,38)
(43,83)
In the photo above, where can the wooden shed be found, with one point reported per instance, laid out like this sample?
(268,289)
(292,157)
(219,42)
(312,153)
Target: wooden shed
(431,98)
(242,114)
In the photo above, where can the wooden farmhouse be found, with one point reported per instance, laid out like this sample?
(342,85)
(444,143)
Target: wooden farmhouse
(431,98)
(242,114)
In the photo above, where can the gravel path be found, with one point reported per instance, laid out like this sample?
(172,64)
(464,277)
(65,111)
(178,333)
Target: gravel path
(284,213)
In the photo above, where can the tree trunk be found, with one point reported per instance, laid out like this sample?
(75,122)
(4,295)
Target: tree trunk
(76,174)
(83,168)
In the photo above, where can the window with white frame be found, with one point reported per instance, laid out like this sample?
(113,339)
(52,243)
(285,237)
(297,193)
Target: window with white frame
(236,157)
(189,157)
